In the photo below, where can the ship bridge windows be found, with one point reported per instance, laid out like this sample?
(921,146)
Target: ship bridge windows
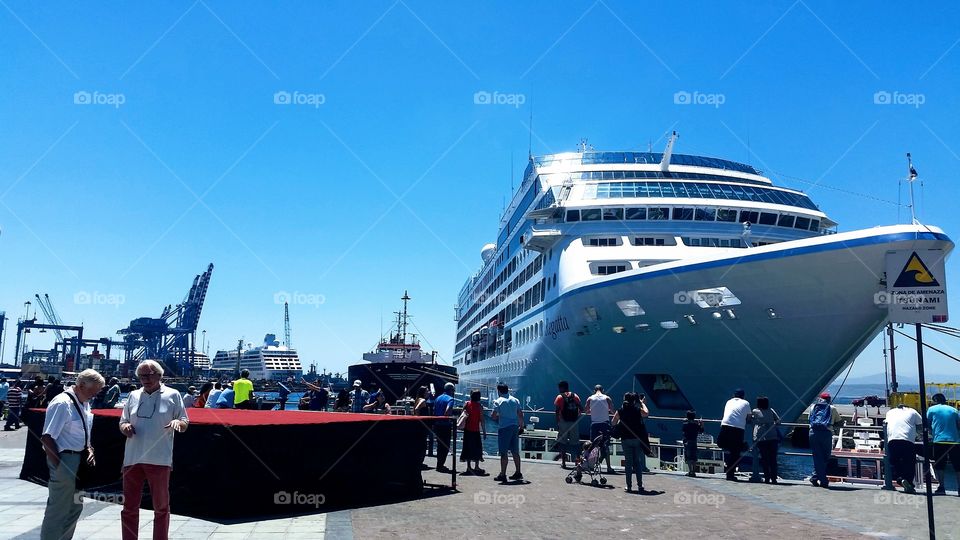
(749,215)
(766,218)
(590,214)
(726,214)
(609,267)
(786,220)
(658,213)
(705,214)
(653,241)
(802,223)
(636,213)
(683,214)
(613,214)
(697,190)
(712,242)
(603,241)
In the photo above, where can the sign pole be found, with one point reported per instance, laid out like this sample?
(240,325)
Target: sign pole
(926,437)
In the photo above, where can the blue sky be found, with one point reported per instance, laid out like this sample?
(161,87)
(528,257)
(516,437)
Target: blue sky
(385,174)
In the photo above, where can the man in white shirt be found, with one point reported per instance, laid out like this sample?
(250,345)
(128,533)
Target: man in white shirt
(66,434)
(599,406)
(149,420)
(902,423)
(736,413)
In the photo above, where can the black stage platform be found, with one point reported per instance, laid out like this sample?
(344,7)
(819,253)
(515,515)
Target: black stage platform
(236,464)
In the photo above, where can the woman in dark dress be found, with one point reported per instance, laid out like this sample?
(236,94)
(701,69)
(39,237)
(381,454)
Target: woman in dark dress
(472,443)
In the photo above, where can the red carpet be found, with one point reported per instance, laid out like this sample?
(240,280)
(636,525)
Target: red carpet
(232,417)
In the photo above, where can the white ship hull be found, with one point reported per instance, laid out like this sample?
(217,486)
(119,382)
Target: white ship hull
(807,311)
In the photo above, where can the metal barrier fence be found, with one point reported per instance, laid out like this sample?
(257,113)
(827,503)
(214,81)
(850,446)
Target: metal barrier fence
(753,449)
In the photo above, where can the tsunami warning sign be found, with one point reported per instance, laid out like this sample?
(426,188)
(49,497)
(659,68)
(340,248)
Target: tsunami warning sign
(916,286)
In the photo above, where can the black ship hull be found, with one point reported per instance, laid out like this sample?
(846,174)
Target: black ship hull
(402,379)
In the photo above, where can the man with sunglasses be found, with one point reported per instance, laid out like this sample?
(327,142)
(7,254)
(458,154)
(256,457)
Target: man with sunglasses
(149,420)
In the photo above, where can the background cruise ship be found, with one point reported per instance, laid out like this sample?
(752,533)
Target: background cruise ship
(677,276)
(272,361)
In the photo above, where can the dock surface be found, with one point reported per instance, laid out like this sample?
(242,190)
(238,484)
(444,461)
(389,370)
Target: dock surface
(543,506)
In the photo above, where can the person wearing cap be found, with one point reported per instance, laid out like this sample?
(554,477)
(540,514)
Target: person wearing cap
(358,397)
(945,427)
(190,397)
(736,413)
(824,419)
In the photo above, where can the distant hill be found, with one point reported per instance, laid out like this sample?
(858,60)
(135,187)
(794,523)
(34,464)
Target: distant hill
(904,380)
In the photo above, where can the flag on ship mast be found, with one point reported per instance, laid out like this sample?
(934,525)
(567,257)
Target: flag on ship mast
(913,172)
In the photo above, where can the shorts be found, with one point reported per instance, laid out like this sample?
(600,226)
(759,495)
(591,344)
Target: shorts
(508,440)
(597,428)
(568,434)
(944,452)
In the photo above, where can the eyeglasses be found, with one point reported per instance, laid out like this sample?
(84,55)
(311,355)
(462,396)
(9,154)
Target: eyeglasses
(148,375)
(146,409)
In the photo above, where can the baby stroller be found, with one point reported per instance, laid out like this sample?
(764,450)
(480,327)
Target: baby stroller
(589,462)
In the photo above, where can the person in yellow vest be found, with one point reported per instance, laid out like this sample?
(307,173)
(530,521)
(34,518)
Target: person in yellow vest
(243,391)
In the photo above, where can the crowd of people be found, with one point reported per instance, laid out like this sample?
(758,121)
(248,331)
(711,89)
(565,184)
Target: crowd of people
(154,413)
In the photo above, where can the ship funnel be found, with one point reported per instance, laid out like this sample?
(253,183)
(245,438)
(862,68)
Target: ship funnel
(487,252)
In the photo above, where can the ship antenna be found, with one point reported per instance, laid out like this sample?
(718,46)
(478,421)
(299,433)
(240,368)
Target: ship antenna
(911,176)
(529,134)
(406,298)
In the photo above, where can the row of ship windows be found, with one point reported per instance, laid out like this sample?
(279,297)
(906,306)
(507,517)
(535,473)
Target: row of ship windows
(597,158)
(512,286)
(653,241)
(682,213)
(696,190)
(531,298)
(652,175)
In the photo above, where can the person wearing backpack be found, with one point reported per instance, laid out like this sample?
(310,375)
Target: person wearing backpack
(568,408)
(824,417)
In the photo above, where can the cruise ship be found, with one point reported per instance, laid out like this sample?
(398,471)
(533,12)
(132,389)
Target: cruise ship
(680,277)
(272,361)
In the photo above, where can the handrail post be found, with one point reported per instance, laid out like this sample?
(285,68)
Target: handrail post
(887,468)
(755,454)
